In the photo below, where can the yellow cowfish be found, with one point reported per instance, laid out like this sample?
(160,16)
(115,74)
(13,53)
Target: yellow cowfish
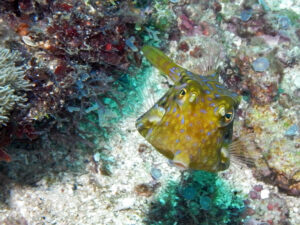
(192,123)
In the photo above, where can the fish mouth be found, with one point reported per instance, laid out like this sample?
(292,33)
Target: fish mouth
(150,118)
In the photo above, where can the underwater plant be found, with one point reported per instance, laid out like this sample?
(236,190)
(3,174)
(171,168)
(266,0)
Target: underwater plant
(13,84)
(13,87)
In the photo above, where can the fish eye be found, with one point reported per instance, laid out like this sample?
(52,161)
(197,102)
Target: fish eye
(182,92)
(228,116)
(225,117)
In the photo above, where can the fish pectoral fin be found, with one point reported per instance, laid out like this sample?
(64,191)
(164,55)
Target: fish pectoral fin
(225,159)
(182,160)
(162,62)
(243,150)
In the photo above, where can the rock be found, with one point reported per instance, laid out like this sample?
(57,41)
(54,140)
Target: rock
(261,64)
(265,194)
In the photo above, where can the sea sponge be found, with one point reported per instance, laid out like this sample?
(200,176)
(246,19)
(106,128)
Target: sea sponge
(12,84)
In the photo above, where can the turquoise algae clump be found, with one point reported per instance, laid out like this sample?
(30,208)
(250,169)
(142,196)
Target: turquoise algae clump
(200,198)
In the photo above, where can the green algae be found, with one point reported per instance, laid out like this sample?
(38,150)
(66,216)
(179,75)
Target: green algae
(293,16)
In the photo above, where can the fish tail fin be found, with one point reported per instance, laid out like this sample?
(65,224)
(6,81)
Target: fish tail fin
(243,150)
(162,62)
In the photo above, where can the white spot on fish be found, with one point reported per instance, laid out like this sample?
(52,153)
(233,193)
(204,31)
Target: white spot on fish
(188,138)
(154,118)
(203,110)
(177,140)
(181,130)
(167,123)
(174,110)
(192,98)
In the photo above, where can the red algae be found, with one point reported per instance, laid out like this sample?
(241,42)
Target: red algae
(258,188)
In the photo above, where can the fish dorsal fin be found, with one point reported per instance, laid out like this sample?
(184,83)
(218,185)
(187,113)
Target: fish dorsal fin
(162,62)
(211,57)
(243,150)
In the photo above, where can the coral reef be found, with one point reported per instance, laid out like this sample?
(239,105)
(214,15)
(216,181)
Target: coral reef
(270,205)
(260,61)
(281,157)
(74,53)
(77,55)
